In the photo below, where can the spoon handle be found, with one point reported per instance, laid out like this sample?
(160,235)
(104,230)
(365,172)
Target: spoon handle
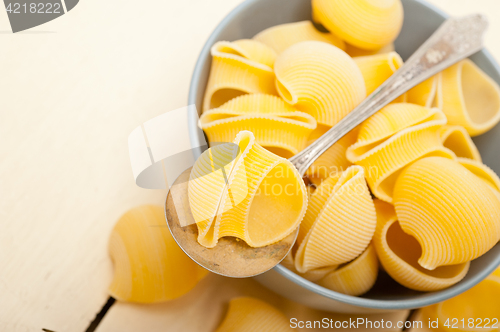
(456,39)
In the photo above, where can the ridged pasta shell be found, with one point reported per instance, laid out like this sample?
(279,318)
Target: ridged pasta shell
(354,278)
(149,266)
(281,37)
(277,126)
(319,79)
(458,140)
(393,138)
(353,51)
(469,97)
(333,161)
(448,209)
(376,69)
(260,199)
(399,252)
(476,307)
(366,24)
(240,67)
(246,314)
(424,94)
(339,222)
(317,274)
(486,174)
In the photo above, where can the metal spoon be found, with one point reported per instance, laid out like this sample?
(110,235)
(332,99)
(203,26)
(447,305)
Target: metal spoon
(456,39)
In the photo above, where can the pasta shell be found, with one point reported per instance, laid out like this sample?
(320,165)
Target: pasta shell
(240,67)
(149,266)
(424,94)
(366,24)
(246,314)
(333,161)
(281,37)
(486,174)
(399,253)
(353,51)
(260,199)
(458,140)
(321,80)
(393,138)
(478,306)
(339,222)
(469,97)
(448,209)
(277,126)
(354,278)
(376,69)
(317,274)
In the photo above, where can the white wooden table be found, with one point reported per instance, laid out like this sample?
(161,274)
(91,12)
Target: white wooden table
(70,92)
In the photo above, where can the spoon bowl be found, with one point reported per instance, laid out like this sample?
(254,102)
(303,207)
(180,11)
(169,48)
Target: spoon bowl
(231,257)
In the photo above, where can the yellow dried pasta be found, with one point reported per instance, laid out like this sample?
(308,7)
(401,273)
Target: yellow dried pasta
(458,140)
(353,51)
(482,171)
(399,252)
(450,211)
(476,307)
(333,161)
(354,278)
(246,314)
(376,69)
(149,266)
(263,200)
(281,37)
(240,67)
(424,94)
(366,24)
(393,138)
(321,80)
(339,222)
(469,97)
(277,126)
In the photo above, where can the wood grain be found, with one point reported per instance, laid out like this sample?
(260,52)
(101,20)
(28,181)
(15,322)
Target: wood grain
(71,92)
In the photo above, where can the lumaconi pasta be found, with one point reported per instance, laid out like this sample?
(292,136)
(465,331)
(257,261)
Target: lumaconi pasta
(281,37)
(399,252)
(317,274)
(353,51)
(424,94)
(339,222)
(376,69)
(246,314)
(333,160)
(483,172)
(149,266)
(240,67)
(262,202)
(469,97)
(276,125)
(450,211)
(393,138)
(458,140)
(321,80)
(356,277)
(479,305)
(366,24)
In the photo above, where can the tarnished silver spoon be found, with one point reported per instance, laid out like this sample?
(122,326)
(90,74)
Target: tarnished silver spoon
(456,39)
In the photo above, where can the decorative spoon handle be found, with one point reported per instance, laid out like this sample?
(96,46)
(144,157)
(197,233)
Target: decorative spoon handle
(456,39)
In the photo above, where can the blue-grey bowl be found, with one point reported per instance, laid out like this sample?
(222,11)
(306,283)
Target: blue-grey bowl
(421,19)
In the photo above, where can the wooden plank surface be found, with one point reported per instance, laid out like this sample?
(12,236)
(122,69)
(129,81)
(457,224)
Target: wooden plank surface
(202,309)
(71,92)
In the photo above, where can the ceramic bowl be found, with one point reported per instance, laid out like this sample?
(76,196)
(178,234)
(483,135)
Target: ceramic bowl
(421,20)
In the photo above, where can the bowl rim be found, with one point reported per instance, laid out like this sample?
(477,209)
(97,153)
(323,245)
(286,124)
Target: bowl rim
(431,297)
